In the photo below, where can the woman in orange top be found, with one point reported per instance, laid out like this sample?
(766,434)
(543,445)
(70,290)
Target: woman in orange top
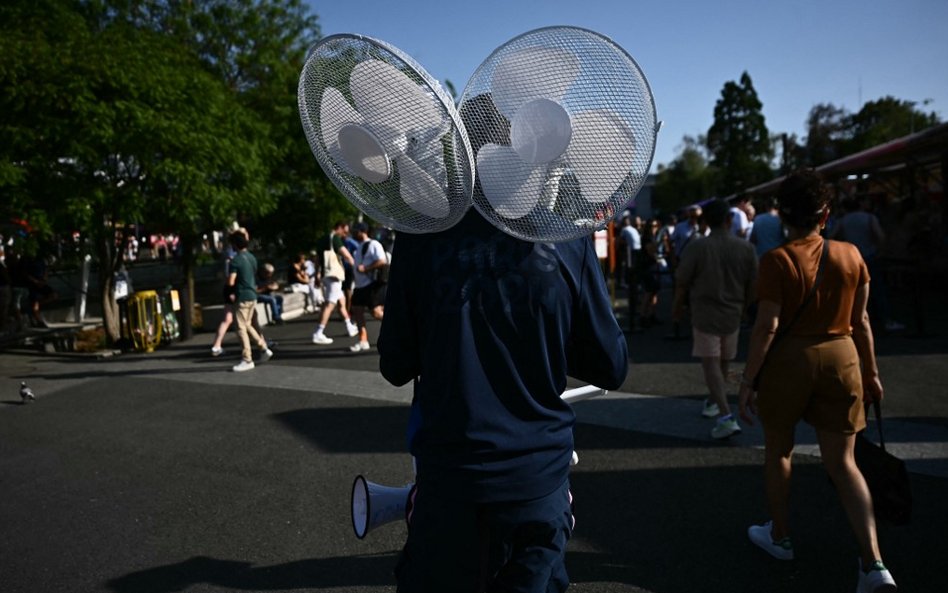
(822,371)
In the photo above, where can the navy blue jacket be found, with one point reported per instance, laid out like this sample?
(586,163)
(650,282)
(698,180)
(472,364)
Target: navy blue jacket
(491,326)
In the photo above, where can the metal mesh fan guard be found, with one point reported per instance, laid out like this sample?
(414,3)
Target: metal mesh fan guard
(602,97)
(408,141)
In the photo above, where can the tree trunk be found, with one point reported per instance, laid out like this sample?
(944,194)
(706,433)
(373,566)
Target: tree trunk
(187,293)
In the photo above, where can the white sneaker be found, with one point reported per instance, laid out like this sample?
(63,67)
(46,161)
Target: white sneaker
(320,338)
(877,580)
(359,347)
(761,535)
(266,355)
(352,328)
(710,409)
(244,365)
(725,427)
(216,351)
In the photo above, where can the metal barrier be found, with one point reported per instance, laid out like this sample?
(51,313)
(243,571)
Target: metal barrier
(144,323)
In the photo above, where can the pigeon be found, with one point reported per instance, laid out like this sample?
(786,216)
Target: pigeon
(26,393)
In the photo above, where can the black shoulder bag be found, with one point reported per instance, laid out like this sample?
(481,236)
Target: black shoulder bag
(885,474)
(784,331)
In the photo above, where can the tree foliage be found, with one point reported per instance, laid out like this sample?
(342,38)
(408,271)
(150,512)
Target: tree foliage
(741,150)
(791,154)
(686,180)
(827,133)
(257,47)
(833,132)
(178,114)
(884,120)
(738,139)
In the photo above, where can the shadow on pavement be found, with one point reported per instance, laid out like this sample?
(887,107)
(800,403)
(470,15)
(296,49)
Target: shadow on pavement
(678,525)
(346,571)
(351,430)
(170,486)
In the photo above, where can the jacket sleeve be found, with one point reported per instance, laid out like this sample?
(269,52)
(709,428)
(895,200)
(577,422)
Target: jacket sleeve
(398,344)
(597,352)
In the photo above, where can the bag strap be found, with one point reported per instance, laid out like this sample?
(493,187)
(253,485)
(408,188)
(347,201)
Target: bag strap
(816,284)
(877,407)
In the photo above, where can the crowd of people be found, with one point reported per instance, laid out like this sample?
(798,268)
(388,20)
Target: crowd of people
(345,273)
(649,251)
(488,366)
(790,269)
(801,277)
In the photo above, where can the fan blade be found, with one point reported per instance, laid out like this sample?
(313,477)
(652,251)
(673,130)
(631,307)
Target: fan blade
(364,154)
(532,73)
(420,191)
(395,107)
(334,114)
(512,186)
(601,153)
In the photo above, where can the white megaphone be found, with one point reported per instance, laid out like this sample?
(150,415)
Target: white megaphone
(374,505)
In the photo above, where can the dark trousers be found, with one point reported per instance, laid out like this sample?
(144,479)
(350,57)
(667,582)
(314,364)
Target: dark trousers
(275,301)
(515,547)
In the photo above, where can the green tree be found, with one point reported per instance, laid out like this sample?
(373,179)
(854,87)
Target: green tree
(178,113)
(833,132)
(108,123)
(258,47)
(792,154)
(828,129)
(686,180)
(884,120)
(738,139)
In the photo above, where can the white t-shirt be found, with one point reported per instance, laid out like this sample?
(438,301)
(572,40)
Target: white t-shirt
(633,243)
(739,223)
(373,253)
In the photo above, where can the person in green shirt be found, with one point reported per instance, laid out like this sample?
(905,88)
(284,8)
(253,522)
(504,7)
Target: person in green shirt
(242,278)
(333,252)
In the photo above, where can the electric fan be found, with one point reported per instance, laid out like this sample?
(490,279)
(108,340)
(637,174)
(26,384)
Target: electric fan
(563,125)
(386,134)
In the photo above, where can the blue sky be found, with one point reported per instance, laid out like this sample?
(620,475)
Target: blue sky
(797,52)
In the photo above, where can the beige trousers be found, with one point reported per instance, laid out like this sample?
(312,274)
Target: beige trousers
(246,330)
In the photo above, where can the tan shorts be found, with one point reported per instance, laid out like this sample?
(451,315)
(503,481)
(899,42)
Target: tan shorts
(714,345)
(817,379)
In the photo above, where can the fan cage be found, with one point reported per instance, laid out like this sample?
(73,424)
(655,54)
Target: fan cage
(609,79)
(329,64)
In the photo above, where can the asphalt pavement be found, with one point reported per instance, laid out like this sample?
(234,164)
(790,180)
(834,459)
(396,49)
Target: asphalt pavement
(161,472)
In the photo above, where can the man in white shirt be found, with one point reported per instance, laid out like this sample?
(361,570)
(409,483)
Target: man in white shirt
(369,293)
(740,222)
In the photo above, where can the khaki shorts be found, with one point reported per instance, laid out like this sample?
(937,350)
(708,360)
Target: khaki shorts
(816,379)
(714,345)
